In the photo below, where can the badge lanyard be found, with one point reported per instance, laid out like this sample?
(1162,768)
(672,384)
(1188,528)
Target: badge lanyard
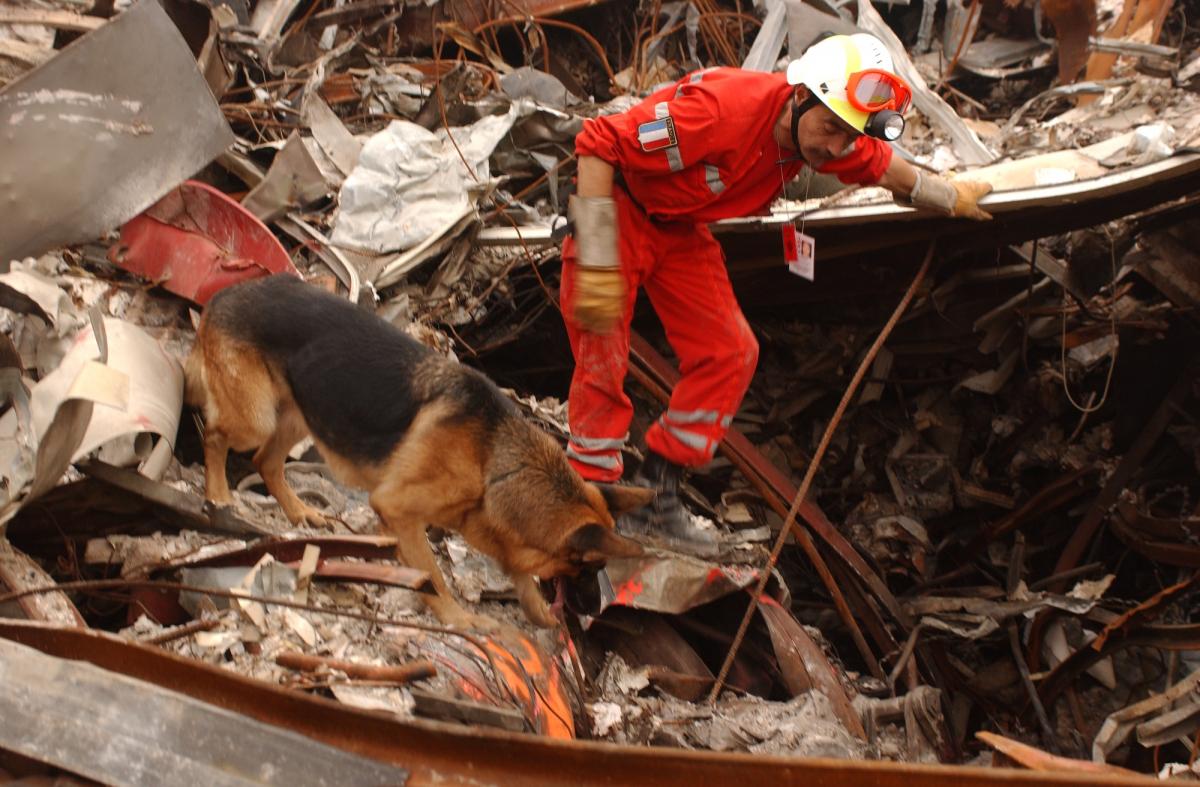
(799,249)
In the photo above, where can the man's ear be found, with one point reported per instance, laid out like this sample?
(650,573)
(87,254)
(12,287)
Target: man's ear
(593,543)
(620,499)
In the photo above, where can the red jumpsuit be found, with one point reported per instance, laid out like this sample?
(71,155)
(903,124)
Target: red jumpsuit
(720,160)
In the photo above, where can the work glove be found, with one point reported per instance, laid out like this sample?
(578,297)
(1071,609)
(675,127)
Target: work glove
(599,283)
(959,198)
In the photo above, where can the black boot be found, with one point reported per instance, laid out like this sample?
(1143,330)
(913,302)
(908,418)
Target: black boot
(665,522)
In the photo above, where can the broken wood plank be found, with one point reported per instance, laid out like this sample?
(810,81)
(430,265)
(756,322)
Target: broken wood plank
(373,573)
(1037,760)
(62,20)
(1169,263)
(288,550)
(19,573)
(24,53)
(435,706)
(805,666)
(393,673)
(190,511)
(120,730)
(270,16)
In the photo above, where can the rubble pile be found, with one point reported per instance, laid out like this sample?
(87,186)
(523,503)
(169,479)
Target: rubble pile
(997,558)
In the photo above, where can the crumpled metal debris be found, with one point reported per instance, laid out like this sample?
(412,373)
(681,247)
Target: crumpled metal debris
(804,726)
(128,93)
(988,416)
(411,184)
(973,618)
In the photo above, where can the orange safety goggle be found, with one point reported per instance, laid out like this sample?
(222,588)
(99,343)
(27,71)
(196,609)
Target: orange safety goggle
(875,90)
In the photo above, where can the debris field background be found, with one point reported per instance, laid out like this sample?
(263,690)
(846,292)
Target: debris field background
(999,548)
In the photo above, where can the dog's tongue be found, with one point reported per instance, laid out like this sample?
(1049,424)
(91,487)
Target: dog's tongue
(558,606)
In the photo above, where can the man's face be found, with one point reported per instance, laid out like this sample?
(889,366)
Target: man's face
(823,136)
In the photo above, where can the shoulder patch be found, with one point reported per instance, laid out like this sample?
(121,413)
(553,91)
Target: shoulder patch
(657,134)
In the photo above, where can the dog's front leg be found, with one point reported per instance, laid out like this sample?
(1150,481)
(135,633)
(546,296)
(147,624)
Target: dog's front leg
(412,549)
(532,601)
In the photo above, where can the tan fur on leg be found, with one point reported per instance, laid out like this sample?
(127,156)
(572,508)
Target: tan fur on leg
(532,601)
(269,459)
(407,523)
(216,452)
(412,547)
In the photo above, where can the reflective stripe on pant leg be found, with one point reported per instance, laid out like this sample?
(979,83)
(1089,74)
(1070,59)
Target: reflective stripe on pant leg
(603,453)
(694,440)
(693,416)
(599,443)
(607,462)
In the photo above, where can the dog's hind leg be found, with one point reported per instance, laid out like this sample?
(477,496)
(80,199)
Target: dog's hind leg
(216,450)
(270,458)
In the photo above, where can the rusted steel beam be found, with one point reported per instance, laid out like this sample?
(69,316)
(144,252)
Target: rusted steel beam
(446,754)
(1052,496)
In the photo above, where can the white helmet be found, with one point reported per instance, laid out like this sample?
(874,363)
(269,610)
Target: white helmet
(853,76)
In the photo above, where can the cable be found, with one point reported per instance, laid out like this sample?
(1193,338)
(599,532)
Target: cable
(1087,409)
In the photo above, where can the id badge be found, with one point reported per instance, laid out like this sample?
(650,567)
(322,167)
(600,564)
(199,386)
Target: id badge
(799,252)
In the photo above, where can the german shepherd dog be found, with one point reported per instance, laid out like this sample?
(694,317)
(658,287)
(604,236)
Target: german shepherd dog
(432,441)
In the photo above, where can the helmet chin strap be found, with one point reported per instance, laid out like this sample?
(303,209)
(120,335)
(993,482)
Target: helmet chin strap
(799,109)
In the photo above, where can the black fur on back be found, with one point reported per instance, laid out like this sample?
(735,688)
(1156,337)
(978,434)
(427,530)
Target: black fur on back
(359,380)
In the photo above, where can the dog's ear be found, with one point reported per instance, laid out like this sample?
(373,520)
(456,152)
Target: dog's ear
(593,543)
(620,498)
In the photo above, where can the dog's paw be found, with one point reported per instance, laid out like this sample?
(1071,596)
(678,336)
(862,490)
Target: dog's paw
(484,624)
(539,613)
(313,518)
(471,621)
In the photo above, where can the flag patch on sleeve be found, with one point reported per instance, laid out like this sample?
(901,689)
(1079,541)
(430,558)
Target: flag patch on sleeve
(657,134)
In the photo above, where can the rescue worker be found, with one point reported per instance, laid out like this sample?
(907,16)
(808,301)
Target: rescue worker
(718,144)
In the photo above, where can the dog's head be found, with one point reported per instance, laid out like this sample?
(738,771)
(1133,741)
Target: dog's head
(551,522)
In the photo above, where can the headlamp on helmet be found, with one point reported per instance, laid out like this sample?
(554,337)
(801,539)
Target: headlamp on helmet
(852,76)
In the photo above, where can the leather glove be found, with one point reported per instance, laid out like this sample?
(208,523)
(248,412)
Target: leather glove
(599,298)
(599,283)
(958,198)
